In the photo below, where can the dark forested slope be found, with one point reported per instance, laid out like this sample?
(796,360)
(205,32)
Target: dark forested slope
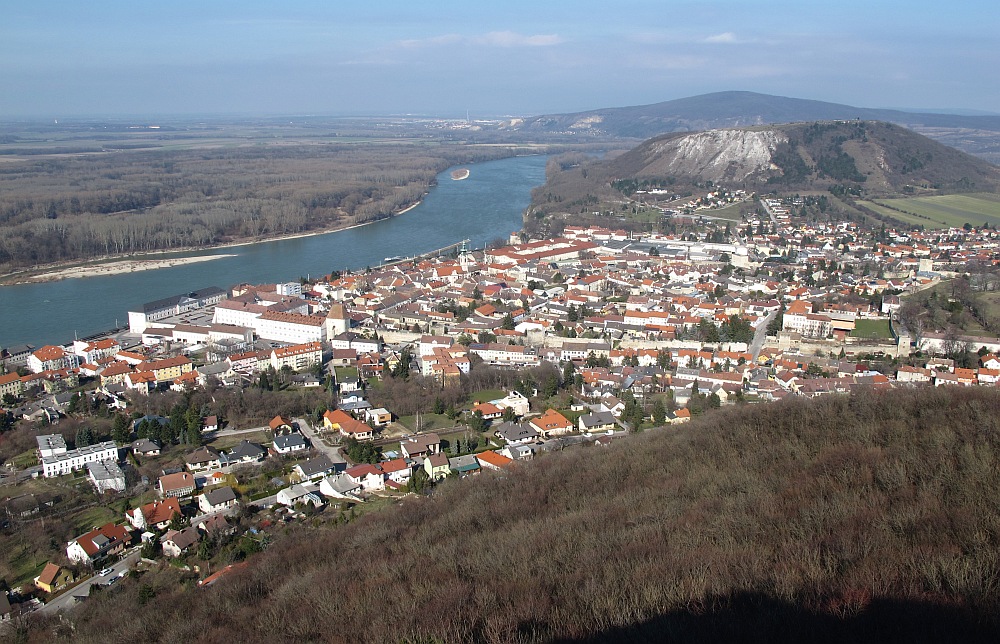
(871,517)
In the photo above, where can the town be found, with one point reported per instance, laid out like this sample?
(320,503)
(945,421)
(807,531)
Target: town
(221,414)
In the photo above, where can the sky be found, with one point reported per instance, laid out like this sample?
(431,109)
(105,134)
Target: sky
(438,57)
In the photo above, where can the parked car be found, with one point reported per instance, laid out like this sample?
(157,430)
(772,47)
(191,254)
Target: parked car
(106,572)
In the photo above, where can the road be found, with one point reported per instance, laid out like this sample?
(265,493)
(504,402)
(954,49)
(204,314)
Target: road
(760,335)
(66,600)
(219,433)
(331,452)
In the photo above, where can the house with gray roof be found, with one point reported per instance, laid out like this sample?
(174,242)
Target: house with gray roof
(597,422)
(289,443)
(217,500)
(516,433)
(464,465)
(315,468)
(245,452)
(340,486)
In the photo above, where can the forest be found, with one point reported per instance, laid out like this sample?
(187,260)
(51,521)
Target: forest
(60,207)
(864,517)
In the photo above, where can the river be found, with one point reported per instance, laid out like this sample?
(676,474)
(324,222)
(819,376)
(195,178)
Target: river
(487,205)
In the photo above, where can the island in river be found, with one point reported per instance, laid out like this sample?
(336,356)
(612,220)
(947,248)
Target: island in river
(459,174)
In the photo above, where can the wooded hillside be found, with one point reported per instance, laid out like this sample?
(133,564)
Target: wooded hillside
(870,517)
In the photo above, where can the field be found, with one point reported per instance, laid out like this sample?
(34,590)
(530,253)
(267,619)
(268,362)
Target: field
(949,211)
(872,329)
(428,422)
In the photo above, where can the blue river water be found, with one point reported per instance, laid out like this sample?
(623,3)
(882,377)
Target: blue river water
(487,205)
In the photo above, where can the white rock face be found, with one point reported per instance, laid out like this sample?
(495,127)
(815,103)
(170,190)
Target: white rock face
(731,155)
(587,122)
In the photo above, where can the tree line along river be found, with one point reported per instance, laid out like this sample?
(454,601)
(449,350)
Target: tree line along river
(486,205)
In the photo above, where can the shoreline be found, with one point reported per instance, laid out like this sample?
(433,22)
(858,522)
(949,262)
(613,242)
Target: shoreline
(139,262)
(117,268)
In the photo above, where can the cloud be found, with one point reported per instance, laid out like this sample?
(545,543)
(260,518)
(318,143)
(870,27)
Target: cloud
(491,39)
(726,38)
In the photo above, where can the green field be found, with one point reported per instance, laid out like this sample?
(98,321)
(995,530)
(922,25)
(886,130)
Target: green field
(732,213)
(941,211)
(872,329)
(428,422)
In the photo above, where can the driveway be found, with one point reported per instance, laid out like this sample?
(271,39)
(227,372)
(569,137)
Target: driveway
(66,600)
(332,453)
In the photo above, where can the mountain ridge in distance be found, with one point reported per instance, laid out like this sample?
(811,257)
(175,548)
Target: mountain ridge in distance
(739,109)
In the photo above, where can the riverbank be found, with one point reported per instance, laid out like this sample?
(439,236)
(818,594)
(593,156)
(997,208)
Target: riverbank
(117,264)
(118,267)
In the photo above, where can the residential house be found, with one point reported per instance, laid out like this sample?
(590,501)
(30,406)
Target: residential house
(679,416)
(437,467)
(397,471)
(514,400)
(297,357)
(53,578)
(51,445)
(217,500)
(145,447)
(280,424)
(290,443)
(369,477)
(210,424)
(106,476)
(347,425)
(245,452)
(315,468)
(180,484)
(203,458)
(379,416)
(420,445)
(10,384)
(488,410)
(551,423)
(176,542)
(597,422)
(109,539)
(464,465)
(298,494)
(340,486)
(51,358)
(516,433)
(492,460)
(215,524)
(157,514)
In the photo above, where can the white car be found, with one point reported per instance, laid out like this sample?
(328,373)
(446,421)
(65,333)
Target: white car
(106,572)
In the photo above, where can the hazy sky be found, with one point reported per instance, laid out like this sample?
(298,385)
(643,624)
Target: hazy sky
(515,57)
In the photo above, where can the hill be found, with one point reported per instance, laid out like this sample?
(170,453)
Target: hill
(860,157)
(859,518)
(734,109)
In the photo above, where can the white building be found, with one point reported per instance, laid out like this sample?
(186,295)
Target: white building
(51,445)
(106,475)
(66,462)
(292,328)
(174,305)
